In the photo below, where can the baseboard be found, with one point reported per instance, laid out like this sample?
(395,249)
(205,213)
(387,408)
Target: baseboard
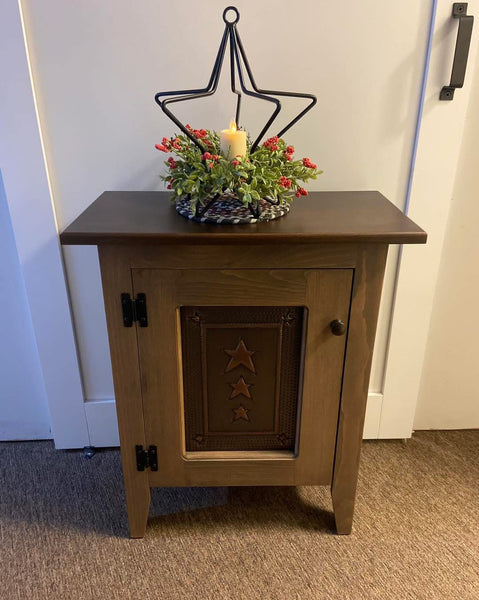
(102,423)
(103,428)
(373,416)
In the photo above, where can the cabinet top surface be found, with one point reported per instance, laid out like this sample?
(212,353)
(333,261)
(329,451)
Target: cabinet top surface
(138,217)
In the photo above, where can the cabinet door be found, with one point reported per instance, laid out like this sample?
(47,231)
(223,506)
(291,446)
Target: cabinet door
(241,373)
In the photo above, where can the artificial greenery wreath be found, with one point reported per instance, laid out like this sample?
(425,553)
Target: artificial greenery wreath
(269,173)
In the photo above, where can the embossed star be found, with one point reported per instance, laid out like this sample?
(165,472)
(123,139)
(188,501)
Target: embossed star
(240,356)
(241,413)
(240,387)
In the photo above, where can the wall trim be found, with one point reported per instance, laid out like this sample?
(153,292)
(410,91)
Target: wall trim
(102,423)
(103,427)
(373,416)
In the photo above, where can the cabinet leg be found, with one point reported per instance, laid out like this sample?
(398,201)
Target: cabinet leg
(138,506)
(360,343)
(116,279)
(343,514)
(345,476)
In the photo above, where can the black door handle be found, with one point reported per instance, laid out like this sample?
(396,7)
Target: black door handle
(464,33)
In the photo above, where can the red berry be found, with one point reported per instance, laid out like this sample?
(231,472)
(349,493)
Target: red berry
(285,182)
(272,143)
(307,163)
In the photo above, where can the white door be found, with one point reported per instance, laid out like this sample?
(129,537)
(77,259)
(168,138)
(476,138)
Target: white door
(23,402)
(36,297)
(96,67)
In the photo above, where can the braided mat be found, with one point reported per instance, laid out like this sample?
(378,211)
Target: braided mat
(228,210)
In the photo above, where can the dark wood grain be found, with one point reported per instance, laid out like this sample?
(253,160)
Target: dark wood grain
(149,217)
(326,295)
(368,278)
(335,270)
(116,279)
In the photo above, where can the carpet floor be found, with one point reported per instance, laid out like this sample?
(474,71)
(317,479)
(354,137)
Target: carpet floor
(63,531)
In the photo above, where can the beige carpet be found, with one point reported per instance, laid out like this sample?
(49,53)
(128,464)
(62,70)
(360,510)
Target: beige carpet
(416,534)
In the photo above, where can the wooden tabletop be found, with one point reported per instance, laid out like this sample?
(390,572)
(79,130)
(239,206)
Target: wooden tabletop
(137,217)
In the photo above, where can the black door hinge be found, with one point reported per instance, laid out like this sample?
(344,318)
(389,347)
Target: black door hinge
(146,458)
(134,310)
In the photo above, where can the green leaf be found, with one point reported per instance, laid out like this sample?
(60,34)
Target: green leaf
(256,176)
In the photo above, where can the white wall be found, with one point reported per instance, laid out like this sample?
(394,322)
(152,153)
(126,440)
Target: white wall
(23,403)
(449,393)
(97,66)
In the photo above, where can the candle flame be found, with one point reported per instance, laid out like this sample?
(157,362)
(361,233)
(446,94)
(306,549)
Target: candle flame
(233,125)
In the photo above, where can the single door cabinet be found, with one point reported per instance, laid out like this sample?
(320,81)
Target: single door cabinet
(241,353)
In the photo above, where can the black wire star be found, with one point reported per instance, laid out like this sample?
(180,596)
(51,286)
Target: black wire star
(238,60)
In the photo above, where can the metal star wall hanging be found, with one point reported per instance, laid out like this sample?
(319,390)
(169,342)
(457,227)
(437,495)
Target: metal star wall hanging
(238,62)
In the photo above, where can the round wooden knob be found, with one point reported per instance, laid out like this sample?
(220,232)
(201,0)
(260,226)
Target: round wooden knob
(337,327)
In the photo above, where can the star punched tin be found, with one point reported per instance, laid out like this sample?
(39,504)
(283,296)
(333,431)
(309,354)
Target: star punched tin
(242,372)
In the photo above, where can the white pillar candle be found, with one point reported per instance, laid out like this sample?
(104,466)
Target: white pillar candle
(233,142)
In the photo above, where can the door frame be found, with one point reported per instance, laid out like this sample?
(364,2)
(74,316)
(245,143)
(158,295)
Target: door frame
(29,198)
(390,414)
(428,201)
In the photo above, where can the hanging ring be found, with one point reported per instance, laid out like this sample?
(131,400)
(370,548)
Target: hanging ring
(234,9)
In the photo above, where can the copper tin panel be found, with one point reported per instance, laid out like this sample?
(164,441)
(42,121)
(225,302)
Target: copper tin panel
(242,374)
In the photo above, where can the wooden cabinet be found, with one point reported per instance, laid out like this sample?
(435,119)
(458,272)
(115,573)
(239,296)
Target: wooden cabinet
(251,364)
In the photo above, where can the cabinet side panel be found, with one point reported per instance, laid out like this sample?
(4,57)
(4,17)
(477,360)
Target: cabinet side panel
(366,296)
(116,279)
